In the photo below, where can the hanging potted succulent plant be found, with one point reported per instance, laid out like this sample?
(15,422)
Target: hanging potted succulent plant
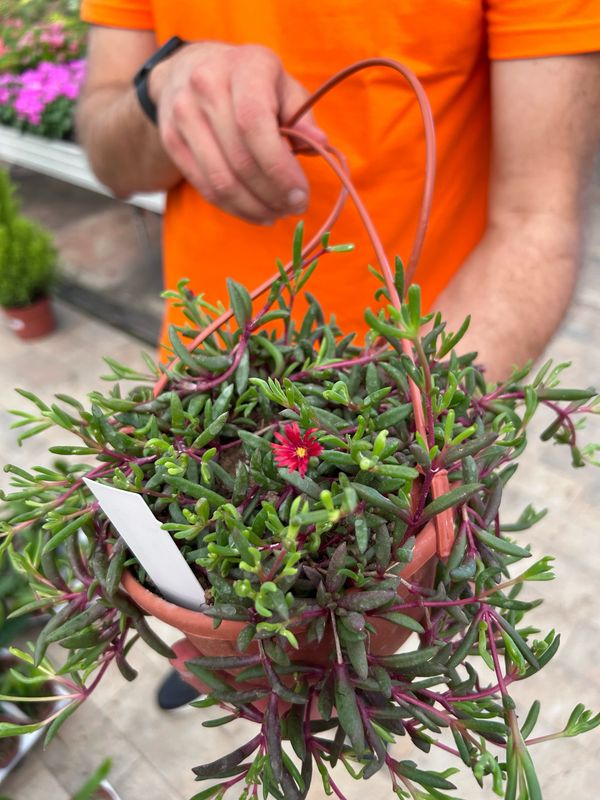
(327,500)
(28,262)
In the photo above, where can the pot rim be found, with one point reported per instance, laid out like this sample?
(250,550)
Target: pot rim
(40,300)
(196,622)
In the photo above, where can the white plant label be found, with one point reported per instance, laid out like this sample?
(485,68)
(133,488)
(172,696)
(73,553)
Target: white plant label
(152,546)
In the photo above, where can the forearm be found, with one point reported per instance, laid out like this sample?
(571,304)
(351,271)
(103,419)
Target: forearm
(518,281)
(219,107)
(516,285)
(123,146)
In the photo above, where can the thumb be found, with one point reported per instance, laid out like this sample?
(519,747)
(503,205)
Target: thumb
(292,97)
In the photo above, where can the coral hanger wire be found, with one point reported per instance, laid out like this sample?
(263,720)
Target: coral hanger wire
(337,163)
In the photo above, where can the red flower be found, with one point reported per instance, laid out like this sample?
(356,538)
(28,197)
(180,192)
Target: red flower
(295,448)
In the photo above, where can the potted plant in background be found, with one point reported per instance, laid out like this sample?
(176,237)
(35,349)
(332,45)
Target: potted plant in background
(28,265)
(18,681)
(97,787)
(329,501)
(26,695)
(14,593)
(42,48)
(10,745)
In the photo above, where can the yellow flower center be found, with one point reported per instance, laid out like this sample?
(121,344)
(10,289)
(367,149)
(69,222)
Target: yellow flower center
(301,452)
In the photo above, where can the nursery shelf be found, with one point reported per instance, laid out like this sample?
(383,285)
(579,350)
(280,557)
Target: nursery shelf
(63,160)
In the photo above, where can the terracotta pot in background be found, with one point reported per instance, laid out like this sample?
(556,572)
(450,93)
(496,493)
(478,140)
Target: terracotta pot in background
(33,321)
(105,792)
(202,638)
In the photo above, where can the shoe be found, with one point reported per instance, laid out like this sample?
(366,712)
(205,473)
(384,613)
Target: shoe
(174,692)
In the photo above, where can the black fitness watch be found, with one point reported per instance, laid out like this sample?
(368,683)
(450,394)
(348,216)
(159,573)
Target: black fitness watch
(141,79)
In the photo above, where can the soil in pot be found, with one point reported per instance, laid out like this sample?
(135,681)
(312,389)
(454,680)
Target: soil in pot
(7,661)
(9,747)
(33,321)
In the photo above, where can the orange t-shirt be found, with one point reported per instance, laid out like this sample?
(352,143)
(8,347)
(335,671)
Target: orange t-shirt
(373,118)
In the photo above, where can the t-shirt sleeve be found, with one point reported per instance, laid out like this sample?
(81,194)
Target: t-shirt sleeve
(136,14)
(537,28)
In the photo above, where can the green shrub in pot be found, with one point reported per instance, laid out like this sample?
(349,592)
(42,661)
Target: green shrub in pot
(28,258)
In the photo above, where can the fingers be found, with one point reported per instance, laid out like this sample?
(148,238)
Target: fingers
(258,176)
(292,97)
(211,172)
(221,128)
(279,179)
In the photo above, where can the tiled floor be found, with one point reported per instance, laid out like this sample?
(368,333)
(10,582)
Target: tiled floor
(153,751)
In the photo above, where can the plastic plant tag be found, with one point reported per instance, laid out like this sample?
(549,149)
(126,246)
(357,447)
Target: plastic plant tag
(153,547)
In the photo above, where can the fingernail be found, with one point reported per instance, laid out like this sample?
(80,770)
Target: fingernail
(297,200)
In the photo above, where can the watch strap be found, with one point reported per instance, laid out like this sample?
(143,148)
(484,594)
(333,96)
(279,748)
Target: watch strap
(140,80)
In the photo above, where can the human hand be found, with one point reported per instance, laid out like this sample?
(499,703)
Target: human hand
(220,108)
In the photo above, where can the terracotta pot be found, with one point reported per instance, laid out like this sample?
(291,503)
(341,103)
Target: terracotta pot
(32,321)
(204,639)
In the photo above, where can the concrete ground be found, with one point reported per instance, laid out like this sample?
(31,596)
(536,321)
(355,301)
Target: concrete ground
(153,751)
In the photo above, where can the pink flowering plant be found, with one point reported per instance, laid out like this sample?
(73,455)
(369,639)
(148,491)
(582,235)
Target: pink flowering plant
(42,69)
(25,44)
(42,100)
(287,463)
